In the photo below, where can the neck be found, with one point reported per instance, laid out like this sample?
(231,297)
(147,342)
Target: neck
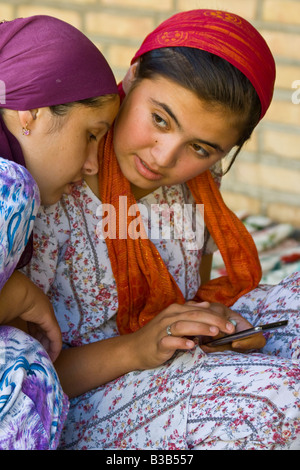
(139,193)
(93,183)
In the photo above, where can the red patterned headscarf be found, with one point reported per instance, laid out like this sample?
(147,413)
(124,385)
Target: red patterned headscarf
(145,287)
(224,34)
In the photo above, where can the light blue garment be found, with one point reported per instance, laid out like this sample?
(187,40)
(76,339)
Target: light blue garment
(33,407)
(19,203)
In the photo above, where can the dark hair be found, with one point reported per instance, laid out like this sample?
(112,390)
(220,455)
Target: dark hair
(211,78)
(62,109)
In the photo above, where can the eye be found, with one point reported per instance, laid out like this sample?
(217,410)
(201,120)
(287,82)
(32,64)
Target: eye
(200,151)
(92,137)
(159,121)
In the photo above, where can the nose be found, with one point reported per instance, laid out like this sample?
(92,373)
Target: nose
(91,164)
(165,152)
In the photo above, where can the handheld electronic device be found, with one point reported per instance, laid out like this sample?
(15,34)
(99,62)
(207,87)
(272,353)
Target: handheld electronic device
(245,333)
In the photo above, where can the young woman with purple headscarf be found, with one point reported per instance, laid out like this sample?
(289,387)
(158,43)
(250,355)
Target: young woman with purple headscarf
(152,387)
(58,99)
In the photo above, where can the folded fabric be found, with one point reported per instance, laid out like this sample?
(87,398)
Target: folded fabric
(278,245)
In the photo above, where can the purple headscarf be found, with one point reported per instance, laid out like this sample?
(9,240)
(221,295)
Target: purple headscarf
(46,62)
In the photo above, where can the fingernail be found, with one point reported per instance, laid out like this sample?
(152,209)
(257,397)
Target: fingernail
(214,329)
(203,304)
(230,326)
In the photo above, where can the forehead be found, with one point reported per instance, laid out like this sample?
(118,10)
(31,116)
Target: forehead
(97,114)
(175,94)
(184,107)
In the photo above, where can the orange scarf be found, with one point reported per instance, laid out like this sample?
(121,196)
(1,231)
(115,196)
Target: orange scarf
(145,287)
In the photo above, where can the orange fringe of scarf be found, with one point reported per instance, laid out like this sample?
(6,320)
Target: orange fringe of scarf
(145,287)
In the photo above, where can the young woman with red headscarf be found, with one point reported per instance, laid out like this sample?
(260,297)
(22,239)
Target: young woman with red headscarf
(129,303)
(58,96)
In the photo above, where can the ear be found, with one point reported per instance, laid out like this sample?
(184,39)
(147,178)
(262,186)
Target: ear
(130,77)
(26,117)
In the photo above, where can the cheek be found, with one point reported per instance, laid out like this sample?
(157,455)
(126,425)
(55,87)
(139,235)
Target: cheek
(124,141)
(189,170)
(132,130)
(76,153)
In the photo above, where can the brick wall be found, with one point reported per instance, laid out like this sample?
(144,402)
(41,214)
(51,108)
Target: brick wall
(266,177)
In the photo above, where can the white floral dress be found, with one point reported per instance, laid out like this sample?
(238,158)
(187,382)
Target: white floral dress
(194,401)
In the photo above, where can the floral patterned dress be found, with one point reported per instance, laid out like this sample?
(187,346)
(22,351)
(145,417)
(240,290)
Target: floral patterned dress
(195,401)
(33,406)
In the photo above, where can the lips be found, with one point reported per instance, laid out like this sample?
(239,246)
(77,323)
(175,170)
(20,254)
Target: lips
(144,170)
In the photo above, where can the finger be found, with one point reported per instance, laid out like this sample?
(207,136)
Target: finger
(170,344)
(200,325)
(211,349)
(203,304)
(190,328)
(54,347)
(50,338)
(254,342)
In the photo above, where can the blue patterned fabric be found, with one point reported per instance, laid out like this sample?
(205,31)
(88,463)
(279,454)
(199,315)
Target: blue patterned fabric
(33,406)
(19,202)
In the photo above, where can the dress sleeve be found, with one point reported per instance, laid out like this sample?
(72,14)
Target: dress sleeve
(19,202)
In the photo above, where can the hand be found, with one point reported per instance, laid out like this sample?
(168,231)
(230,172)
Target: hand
(253,342)
(151,346)
(42,324)
(21,299)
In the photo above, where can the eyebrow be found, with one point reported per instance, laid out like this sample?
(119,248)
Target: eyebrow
(169,111)
(172,115)
(105,123)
